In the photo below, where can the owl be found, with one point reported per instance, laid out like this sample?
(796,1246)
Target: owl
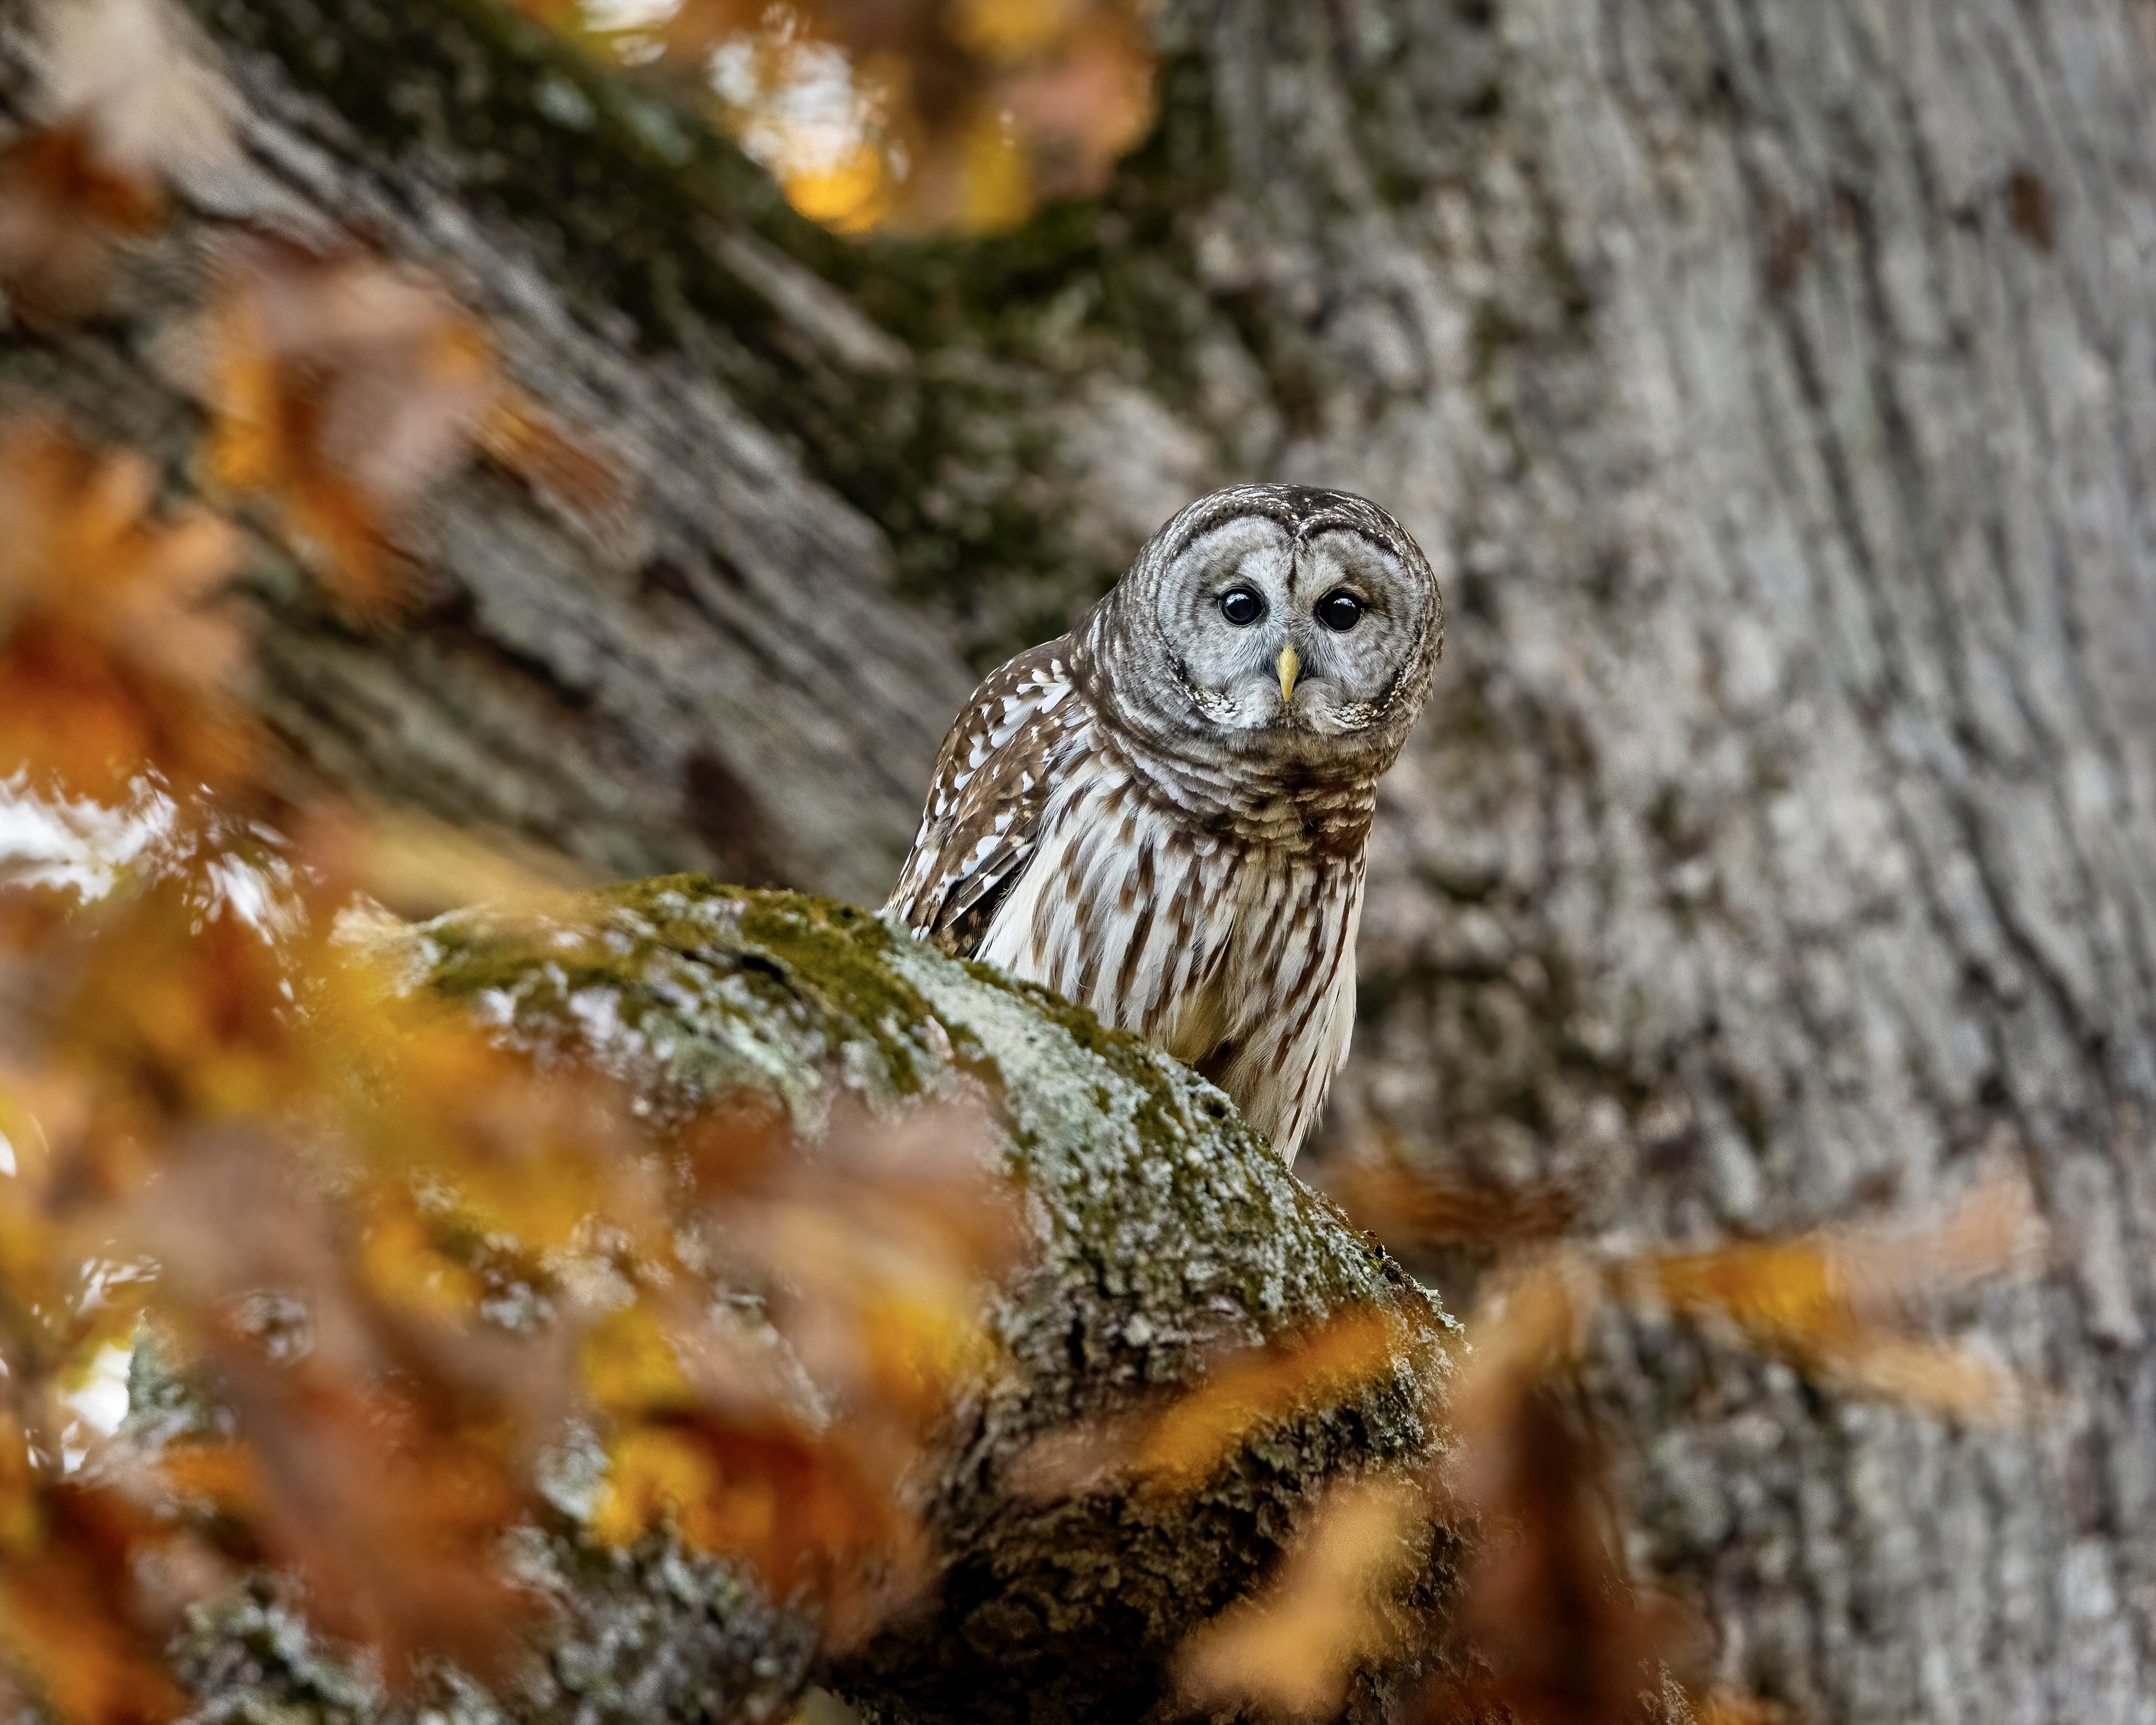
(1163,814)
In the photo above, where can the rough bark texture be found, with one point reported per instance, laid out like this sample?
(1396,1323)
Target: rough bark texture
(1774,387)
(1165,1229)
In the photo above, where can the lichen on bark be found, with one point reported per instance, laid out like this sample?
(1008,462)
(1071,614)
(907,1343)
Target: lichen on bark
(1166,1229)
(1163,1229)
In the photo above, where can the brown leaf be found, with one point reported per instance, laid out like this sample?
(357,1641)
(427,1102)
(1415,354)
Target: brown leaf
(1409,1205)
(1525,1331)
(127,107)
(1188,1442)
(74,1622)
(344,390)
(114,659)
(66,214)
(390,1507)
(1293,1649)
(382,1441)
(918,116)
(1561,1635)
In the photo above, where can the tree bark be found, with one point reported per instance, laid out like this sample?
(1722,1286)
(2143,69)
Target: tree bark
(1164,1231)
(1772,388)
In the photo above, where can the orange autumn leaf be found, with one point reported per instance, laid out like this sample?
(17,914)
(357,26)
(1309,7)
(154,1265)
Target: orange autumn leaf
(1292,1649)
(850,193)
(345,388)
(702,1439)
(415,866)
(1176,1443)
(914,115)
(379,1452)
(871,1252)
(184,1016)
(390,1507)
(224,1475)
(1724,1707)
(74,1619)
(1832,1301)
(801,1509)
(1188,1441)
(630,1367)
(514,1151)
(336,1183)
(66,211)
(1407,1205)
(113,655)
(401,1262)
(880,1246)
(88,1663)
(517,437)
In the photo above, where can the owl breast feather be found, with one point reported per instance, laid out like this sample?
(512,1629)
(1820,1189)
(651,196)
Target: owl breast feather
(1042,852)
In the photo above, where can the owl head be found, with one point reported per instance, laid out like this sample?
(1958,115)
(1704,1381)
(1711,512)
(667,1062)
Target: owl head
(1296,626)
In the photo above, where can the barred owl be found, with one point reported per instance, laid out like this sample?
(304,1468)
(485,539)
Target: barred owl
(1162,815)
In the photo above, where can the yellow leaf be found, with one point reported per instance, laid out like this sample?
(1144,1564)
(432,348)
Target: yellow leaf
(851,196)
(1184,1447)
(629,1364)
(1294,1648)
(401,1263)
(653,1474)
(995,176)
(1014,29)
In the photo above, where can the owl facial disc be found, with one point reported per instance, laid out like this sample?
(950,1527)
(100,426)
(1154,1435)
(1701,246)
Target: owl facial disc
(1271,623)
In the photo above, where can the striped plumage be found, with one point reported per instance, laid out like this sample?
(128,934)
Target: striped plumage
(1162,815)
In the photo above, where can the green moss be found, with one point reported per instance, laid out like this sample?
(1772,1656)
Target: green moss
(841,955)
(1159,1192)
(1164,1227)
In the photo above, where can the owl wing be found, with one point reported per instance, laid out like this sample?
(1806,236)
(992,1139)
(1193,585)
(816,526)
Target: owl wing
(993,782)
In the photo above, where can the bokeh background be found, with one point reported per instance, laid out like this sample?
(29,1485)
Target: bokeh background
(685,403)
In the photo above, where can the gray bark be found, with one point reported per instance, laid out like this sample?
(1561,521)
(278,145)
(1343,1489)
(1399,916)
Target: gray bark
(1164,1231)
(1775,389)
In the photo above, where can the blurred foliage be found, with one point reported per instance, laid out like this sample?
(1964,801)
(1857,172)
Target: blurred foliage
(343,388)
(910,115)
(401,1261)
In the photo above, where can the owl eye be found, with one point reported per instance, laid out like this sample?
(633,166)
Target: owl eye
(1240,606)
(1340,610)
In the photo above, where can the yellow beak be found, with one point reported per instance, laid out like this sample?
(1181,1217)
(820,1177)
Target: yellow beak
(1289,665)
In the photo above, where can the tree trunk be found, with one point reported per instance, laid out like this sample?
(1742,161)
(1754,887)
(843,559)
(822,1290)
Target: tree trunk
(1775,389)
(1165,1232)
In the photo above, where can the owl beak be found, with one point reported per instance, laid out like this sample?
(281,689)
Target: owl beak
(1289,665)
